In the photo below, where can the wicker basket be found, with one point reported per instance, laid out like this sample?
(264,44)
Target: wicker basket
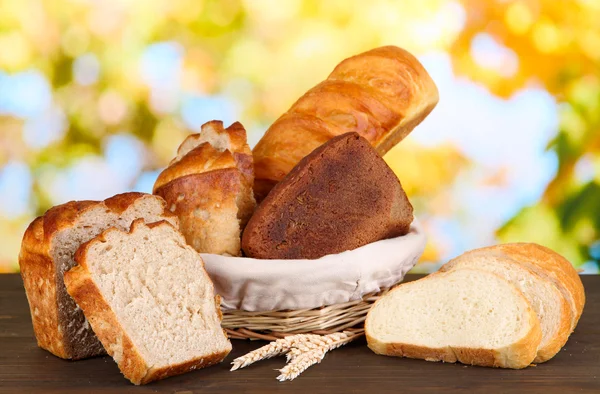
(271,299)
(272,325)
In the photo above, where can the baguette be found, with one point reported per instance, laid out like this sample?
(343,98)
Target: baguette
(381,94)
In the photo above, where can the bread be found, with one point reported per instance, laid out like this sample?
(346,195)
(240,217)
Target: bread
(552,309)
(381,94)
(150,301)
(549,264)
(47,252)
(466,315)
(341,196)
(209,187)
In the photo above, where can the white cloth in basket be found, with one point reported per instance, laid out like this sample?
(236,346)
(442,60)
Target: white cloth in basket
(267,285)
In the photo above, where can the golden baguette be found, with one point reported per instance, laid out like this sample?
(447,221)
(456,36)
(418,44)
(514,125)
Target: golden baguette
(381,94)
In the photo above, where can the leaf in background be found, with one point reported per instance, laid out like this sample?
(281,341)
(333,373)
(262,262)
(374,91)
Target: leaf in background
(539,224)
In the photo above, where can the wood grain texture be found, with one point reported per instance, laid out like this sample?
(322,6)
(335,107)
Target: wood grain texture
(24,368)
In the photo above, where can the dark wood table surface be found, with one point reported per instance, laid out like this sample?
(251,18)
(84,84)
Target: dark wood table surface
(24,368)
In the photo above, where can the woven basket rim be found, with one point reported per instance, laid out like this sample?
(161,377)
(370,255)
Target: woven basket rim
(272,325)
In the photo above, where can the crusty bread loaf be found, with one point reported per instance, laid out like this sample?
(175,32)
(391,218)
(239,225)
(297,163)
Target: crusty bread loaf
(552,309)
(47,252)
(209,187)
(466,315)
(341,196)
(381,94)
(150,301)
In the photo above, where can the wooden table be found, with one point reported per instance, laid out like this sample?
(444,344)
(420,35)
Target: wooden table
(25,368)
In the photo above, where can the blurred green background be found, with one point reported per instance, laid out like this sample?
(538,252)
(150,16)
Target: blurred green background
(95,97)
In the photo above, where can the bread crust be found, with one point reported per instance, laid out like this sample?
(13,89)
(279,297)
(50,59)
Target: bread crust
(109,330)
(561,336)
(204,158)
(555,266)
(191,185)
(339,197)
(382,94)
(42,285)
(205,202)
(37,271)
(516,356)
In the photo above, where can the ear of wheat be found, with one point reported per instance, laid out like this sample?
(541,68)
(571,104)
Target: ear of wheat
(302,351)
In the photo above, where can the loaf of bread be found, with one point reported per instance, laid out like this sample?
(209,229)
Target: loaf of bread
(209,187)
(340,197)
(465,315)
(547,280)
(149,300)
(381,94)
(47,251)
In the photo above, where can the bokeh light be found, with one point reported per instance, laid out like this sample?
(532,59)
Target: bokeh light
(95,97)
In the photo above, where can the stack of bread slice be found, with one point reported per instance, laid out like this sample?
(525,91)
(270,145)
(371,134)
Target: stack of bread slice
(501,306)
(48,251)
(117,277)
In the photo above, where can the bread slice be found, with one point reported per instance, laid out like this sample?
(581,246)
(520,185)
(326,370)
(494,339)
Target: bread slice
(150,301)
(340,197)
(47,251)
(547,301)
(549,264)
(209,187)
(466,315)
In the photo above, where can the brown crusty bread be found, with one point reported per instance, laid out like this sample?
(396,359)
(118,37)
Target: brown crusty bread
(149,300)
(47,251)
(382,94)
(471,316)
(547,301)
(340,197)
(209,187)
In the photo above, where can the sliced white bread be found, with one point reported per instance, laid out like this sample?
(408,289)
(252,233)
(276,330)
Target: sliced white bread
(547,263)
(149,300)
(552,309)
(471,316)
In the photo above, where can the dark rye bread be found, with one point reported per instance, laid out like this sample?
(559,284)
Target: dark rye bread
(340,197)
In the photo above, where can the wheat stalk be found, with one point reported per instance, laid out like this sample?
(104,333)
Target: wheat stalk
(302,351)
(280,346)
(300,363)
